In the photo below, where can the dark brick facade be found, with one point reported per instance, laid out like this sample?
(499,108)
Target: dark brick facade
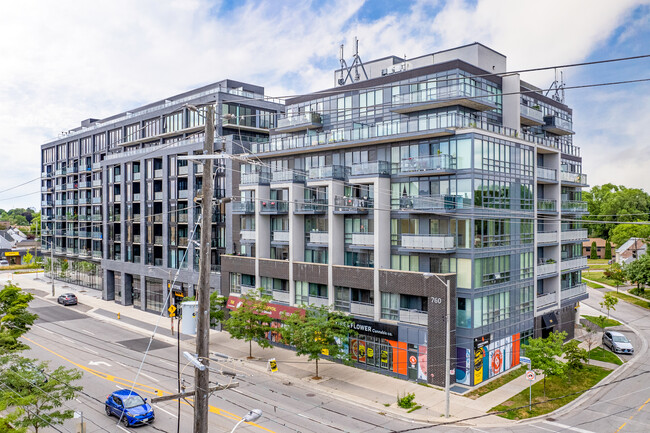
(274,268)
(350,276)
(311,272)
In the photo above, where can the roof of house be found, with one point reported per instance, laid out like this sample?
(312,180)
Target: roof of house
(600,242)
(632,244)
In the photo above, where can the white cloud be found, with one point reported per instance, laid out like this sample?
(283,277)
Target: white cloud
(69,60)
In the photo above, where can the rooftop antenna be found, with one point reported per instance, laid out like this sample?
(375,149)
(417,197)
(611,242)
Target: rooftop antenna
(356,63)
(558,88)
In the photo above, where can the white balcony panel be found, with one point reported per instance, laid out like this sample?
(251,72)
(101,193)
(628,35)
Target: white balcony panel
(577,263)
(248,235)
(547,237)
(413,316)
(547,269)
(428,242)
(318,237)
(574,235)
(574,291)
(362,309)
(363,238)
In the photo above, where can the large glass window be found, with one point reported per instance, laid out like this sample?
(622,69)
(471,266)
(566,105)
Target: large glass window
(154,294)
(389,306)
(491,309)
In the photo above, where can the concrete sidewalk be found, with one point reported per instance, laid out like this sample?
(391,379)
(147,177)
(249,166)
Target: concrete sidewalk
(351,384)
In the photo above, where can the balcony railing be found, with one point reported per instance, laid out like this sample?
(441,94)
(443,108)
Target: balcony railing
(577,290)
(437,202)
(574,235)
(337,172)
(546,173)
(97,182)
(532,115)
(546,300)
(371,168)
(413,316)
(245,207)
(98,235)
(158,195)
(97,254)
(557,125)
(97,200)
(259,178)
(549,268)
(428,242)
(547,237)
(280,236)
(547,205)
(437,163)
(312,206)
(352,204)
(182,193)
(455,93)
(182,170)
(158,173)
(248,235)
(288,176)
(157,240)
(318,237)
(281,296)
(574,206)
(137,176)
(365,239)
(362,309)
(274,206)
(574,263)
(577,178)
(309,120)
(136,239)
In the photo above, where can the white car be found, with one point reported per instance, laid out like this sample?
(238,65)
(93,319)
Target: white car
(4,263)
(617,342)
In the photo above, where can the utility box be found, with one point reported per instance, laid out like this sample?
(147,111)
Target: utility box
(188,323)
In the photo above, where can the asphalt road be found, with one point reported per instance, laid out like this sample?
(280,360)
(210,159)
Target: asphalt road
(110,357)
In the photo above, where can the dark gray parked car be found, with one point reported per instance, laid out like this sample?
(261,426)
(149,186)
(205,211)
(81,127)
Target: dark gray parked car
(617,342)
(68,299)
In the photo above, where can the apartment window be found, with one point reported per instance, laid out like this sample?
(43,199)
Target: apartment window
(464,313)
(154,294)
(131,132)
(405,262)
(389,306)
(316,256)
(151,128)
(302,293)
(526,299)
(173,122)
(491,309)
(318,290)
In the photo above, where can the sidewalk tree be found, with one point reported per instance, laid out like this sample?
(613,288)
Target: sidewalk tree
(609,302)
(638,271)
(15,320)
(608,251)
(319,332)
(575,356)
(544,354)
(250,321)
(594,251)
(38,393)
(217,304)
(615,274)
(591,338)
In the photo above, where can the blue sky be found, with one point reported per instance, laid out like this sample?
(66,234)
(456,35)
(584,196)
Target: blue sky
(69,60)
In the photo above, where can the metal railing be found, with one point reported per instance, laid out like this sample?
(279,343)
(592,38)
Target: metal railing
(428,163)
(428,242)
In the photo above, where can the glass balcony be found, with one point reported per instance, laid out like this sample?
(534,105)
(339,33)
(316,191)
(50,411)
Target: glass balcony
(318,237)
(546,268)
(455,94)
(157,240)
(299,122)
(288,176)
(531,116)
(97,166)
(136,176)
(352,205)
(97,182)
(574,263)
(429,163)
(546,205)
(336,172)
(374,168)
(248,235)
(547,237)
(182,170)
(97,200)
(574,235)
(558,126)
(97,254)
(436,242)
(572,292)
(85,184)
(280,236)
(546,300)
(158,173)
(311,207)
(544,173)
(274,207)
(413,316)
(60,172)
(182,194)
(259,178)
(243,207)
(182,217)
(59,202)
(365,239)
(576,178)
(574,206)
(431,203)
(158,195)
(361,309)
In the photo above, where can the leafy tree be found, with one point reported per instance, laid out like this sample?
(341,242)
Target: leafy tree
(40,395)
(608,250)
(638,271)
(594,251)
(250,322)
(64,265)
(544,355)
(609,302)
(28,258)
(575,356)
(610,202)
(319,331)
(591,338)
(621,233)
(615,273)
(15,320)
(217,303)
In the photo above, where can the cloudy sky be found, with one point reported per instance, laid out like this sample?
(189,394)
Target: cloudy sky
(65,61)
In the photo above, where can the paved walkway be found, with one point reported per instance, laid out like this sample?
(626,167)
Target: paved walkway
(347,383)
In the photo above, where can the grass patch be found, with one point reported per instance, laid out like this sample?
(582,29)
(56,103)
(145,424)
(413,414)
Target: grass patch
(582,380)
(600,354)
(632,300)
(607,322)
(597,261)
(496,383)
(16,267)
(598,277)
(592,285)
(640,292)
(414,408)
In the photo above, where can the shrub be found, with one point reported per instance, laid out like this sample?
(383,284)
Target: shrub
(406,401)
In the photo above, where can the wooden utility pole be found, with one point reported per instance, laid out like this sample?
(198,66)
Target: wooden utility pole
(201,378)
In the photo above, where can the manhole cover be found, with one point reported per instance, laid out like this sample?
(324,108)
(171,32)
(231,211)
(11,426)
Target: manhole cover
(311,395)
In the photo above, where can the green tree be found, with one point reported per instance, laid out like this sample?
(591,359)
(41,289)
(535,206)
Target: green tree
(609,302)
(250,321)
(615,274)
(15,320)
(217,304)
(594,251)
(544,355)
(638,271)
(28,259)
(608,251)
(39,394)
(621,233)
(319,331)
(610,202)
(575,356)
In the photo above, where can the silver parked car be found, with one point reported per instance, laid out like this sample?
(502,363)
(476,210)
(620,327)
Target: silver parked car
(617,342)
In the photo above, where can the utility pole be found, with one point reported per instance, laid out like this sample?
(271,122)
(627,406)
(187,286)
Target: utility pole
(201,378)
(448,348)
(52,262)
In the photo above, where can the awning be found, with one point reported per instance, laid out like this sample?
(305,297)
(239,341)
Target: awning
(549,319)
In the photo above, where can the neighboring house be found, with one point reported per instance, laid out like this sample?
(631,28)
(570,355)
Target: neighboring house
(631,250)
(600,245)
(13,235)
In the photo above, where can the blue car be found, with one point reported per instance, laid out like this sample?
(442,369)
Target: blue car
(133,409)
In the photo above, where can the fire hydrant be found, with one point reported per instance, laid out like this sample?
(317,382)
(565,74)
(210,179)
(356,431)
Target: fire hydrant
(118,316)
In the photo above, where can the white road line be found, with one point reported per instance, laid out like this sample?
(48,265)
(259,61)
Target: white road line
(89,350)
(87,332)
(45,329)
(67,339)
(146,375)
(568,427)
(167,412)
(122,428)
(541,428)
(165,362)
(123,365)
(478,429)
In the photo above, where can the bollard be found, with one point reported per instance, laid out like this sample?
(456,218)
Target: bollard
(118,316)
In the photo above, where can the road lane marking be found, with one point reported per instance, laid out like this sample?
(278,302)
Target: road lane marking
(127,384)
(167,412)
(633,415)
(568,427)
(45,329)
(146,375)
(165,362)
(87,332)
(90,350)
(619,429)
(541,428)
(122,428)
(68,340)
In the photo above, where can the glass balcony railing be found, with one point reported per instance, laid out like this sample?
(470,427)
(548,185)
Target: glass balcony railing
(339,172)
(280,236)
(307,120)
(258,178)
(371,168)
(577,178)
(576,206)
(574,235)
(244,206)
(318,237)
(547,205)
(312,206)
(435,242)
(476,97)
(274,206)
(436,202)
(288,176)
(531,115)
(546,173)
(360,239)
(352,204)
(428,163)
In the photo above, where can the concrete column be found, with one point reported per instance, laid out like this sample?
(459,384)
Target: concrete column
(511,101)
(296,235)
(165,209)
(382,235)
(336,237)
(262,229)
